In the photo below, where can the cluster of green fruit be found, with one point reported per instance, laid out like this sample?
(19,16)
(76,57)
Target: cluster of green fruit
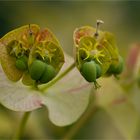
(92,71)
(39,71)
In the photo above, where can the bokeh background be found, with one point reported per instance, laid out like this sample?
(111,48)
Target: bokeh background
(62,17)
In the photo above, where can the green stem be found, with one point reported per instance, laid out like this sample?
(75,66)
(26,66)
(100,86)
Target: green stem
(58,78)
(21,128)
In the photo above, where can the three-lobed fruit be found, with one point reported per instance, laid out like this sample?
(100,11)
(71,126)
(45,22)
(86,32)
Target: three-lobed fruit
(48,74)
(116,69)
(42,72)
(88,71)
(119,68)
(21,63)
(98,70)
(36,69)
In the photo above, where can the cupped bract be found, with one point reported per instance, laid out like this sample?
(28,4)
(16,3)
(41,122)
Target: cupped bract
(98,50)
(41,49)
(14,44)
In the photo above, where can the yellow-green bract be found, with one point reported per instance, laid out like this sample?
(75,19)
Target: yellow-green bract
(101,49)
(35,44)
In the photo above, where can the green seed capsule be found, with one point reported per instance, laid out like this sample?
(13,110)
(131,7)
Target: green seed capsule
(24,58)
(36,69)
(48,74)
(98,71)
(116,69)
(88,70)
(119,68)
(21,63)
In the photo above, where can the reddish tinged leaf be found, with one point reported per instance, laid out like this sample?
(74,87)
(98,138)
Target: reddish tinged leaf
(119,101)
(83,32)
(133,56)
(46,35)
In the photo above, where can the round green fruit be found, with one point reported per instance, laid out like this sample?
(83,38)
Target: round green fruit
(36,69)
(119,68)
(98,71)
(48,74)
(116,69)
(21,63)
(88,71)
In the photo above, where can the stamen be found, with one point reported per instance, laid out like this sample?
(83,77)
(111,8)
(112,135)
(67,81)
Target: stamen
(30,31)
(97,27)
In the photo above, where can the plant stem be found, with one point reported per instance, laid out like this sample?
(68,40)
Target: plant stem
(81,122)
(59,77)
(21,128)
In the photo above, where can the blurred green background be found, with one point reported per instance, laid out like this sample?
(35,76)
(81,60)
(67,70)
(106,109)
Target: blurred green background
(62,17)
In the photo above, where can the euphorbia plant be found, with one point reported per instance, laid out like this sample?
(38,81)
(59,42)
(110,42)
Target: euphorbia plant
(32,58)
(96,53)
(34,55)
